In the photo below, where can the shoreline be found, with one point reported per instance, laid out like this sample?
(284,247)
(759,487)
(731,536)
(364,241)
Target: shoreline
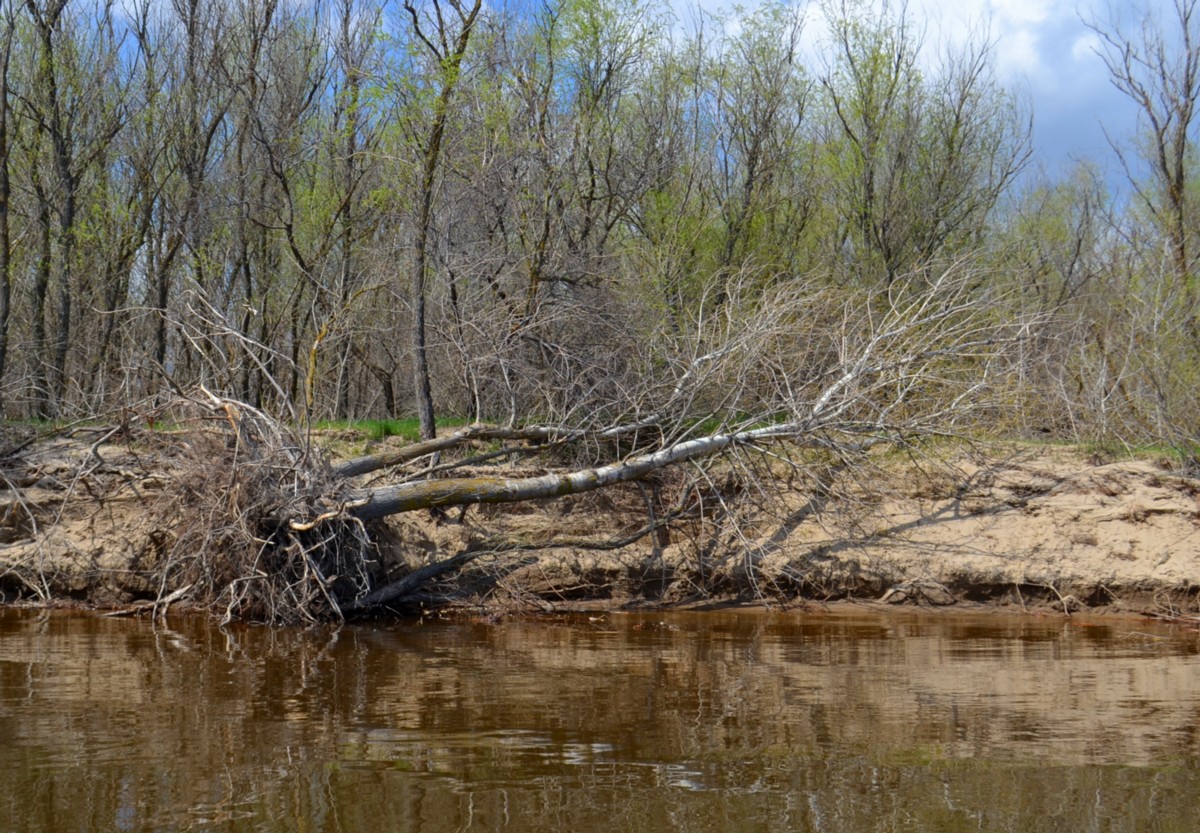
(1002,528)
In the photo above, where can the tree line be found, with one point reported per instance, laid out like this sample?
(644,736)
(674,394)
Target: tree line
(574,212)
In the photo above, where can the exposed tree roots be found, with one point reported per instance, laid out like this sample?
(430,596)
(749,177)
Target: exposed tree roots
(244,518)
(211,504)
(261,530)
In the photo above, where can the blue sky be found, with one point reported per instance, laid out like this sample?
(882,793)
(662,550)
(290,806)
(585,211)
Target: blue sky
(1043,51)
(1044,48)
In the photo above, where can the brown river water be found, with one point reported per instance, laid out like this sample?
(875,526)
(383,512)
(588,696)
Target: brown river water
(712,721)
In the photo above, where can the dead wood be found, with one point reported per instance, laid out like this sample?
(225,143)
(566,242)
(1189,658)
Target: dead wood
(535,435)
(460,491)
(249,511)
(258,525)
(242,518)
(414,581)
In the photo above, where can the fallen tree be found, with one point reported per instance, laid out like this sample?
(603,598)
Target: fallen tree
(252,520)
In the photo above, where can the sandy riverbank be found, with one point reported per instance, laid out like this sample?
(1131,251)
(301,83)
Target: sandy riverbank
(1012,527)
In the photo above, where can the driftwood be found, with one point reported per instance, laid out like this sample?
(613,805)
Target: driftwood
(253,524)
(302,549)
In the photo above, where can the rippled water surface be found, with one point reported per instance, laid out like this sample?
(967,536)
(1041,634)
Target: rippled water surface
(692,722)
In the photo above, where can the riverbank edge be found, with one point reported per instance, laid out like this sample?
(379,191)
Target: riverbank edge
(1004,527)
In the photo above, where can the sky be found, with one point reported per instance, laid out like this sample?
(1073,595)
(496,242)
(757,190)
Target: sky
(1045,52)
(1045,49)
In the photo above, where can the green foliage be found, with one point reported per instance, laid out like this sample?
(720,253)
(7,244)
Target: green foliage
(613,201)
(407,429)
(918,158)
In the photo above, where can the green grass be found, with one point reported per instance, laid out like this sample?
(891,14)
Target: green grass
(1181,455)
(408,429)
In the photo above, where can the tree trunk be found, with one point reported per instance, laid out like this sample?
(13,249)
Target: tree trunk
(5,195)
(451,65)
(464,491)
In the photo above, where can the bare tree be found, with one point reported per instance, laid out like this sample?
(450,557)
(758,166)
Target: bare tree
(923,161)
(1147,332)
(446,39)
(79,130)
(77,102)
(1158,68)
(890,368)
(188,50)
(762,100)
(262,526)
(9,24)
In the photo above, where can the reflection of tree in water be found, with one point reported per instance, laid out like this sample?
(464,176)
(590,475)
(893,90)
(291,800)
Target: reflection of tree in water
(716,722)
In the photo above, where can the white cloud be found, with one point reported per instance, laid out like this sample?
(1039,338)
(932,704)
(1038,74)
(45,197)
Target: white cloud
(1019,13)
(1086,47)
(1018,55)
(1041,47)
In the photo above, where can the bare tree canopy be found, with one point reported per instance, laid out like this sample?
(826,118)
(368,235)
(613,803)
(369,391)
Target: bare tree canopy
(269,529)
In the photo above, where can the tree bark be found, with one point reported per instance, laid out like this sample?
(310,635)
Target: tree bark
(463,491)
(451,65)
(5,195)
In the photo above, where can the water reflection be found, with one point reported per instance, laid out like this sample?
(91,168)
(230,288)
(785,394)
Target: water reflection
(705,722)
